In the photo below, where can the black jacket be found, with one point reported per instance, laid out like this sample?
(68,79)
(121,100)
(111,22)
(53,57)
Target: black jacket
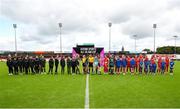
(69,62)
(51,62)
(62,62)
(56,62)
(9,63)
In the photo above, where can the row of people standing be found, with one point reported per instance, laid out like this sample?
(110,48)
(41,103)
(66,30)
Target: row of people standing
(37,65)
(123,64)
(71,65)
(26,64)
(138,64)
(90,64)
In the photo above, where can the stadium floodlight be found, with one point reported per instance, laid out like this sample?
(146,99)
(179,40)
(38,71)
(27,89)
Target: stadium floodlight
(154,27)
(135,37)
(60,43)
(15,26)
(175,37)
(109,24)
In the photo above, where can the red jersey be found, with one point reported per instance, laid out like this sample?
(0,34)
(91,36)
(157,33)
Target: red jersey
(106,61)
(159,61)
(128,61)
(146,58)
(140,56)
(167,60)
(152,61)
(137,61)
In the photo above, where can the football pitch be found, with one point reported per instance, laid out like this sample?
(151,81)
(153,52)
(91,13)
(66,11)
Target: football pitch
(105,91)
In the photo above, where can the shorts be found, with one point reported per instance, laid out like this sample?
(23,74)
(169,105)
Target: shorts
(111,65)
(124,66)
(84,65)
(132,66)
(171,70)
(117,66)
(90,64)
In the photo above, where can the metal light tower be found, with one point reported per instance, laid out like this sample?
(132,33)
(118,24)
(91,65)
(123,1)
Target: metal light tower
(175,37)
(109,24)
(60,43)
(154,27)
(15,26)
(135,37)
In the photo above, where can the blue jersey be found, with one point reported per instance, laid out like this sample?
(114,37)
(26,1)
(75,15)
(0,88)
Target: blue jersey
(163,65)
(150,64)
(171,65)
(118,62)
(132,62)
(124,63)
(146,63)
(154,66)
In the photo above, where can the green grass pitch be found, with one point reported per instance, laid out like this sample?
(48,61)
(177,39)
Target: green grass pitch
(105,91)
(41,90)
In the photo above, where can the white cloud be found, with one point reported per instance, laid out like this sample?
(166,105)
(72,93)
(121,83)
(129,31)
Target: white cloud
(86,21)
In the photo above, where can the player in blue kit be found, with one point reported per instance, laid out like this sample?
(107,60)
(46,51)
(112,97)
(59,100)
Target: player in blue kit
(150,67)
(118,65)
(132,64)
(124,64)
(171,67)
(154,66)
(146,64)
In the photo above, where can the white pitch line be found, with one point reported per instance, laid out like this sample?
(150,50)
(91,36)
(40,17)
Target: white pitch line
(87,93)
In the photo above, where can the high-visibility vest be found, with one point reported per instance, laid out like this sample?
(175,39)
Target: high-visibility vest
(83,60)
(91,59)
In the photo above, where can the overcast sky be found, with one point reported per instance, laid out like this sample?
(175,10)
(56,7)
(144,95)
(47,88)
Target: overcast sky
(86,21)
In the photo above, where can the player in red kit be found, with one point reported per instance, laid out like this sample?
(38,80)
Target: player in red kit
(159,64)
(128,68)
(106,64)
(167,63)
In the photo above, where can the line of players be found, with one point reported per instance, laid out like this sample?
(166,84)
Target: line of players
(37,65)
(140,64)
(21,64)
(91,64)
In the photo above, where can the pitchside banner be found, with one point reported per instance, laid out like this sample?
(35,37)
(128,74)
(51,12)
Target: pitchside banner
(87,50)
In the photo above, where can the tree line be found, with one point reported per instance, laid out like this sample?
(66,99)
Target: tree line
(168,50)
